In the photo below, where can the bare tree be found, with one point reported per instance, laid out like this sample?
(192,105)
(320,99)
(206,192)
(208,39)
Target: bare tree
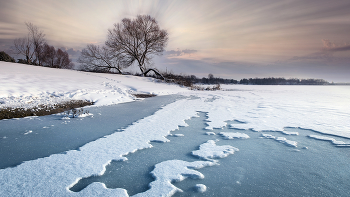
(32,45)
(137,40)
(49,55)
(62,60)
(100,59)
(37,38)
(24,46)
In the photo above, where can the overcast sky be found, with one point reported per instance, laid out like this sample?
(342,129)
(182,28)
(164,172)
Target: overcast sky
(228,38)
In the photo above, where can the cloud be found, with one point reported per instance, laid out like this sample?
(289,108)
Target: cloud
(330,46)
(326,53)
(179,52)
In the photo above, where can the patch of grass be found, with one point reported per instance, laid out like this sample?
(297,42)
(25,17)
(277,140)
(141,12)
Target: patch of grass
(144,95)
(42,110)
(216,87)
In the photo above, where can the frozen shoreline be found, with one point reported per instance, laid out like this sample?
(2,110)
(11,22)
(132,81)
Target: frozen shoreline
(255,108)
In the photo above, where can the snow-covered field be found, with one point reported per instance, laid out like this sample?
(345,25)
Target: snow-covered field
(27,86)
(323,109)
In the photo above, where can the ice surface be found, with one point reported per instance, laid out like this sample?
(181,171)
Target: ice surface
(210,150)
(210,133)
(64,170)
(231,135)
(173,170)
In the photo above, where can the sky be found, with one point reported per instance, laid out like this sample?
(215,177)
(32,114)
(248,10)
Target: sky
(228,38)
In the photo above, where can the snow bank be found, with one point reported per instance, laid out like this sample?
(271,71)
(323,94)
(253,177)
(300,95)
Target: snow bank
(29,86)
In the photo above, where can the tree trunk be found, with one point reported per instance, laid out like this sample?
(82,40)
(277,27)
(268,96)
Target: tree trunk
(155,71)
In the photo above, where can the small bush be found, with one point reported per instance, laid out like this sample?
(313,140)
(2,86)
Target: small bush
(216,87)
(6,57)
(144,95)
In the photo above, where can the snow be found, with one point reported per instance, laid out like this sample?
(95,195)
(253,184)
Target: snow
(267,136)
(178,135)
(173,170)
(323,109)
(290,133)
(280,139)
(210,150)
(334,141)
(210,133)
(29,86)
(286,142)
(27,132)
(200,188)
(231,135)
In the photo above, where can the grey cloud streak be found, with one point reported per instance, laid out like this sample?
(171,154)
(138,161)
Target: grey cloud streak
(179,52)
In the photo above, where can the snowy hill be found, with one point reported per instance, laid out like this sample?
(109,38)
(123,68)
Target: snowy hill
(28,86)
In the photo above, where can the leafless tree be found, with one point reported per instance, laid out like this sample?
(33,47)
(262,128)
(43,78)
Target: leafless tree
(32,45)
(37,38)
(137,40)
(62,60)
(24,46)
(100,59)
(49,55)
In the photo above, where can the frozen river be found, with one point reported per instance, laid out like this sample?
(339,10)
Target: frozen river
(248,141)
(35,137)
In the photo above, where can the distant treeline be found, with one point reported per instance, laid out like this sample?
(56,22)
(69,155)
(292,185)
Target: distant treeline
(282,81)
(258,81)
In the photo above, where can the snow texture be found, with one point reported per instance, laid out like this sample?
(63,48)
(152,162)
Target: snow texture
(287,142)
(280,139)
(267,136)
(29,86)
(27,132)
(290,133)
(231,135)
(173,170)
(210,133)
(200,188)
(178,135)
(334,141)
(210,151)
